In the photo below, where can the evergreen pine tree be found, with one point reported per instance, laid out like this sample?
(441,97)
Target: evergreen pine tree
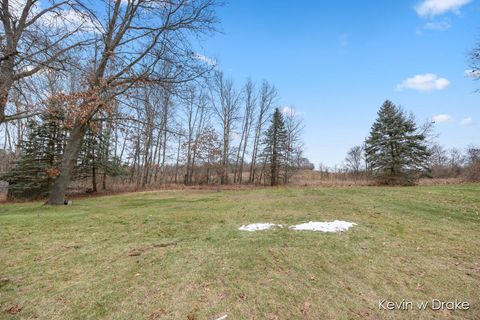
(276,148)
(396,151)
(37,167)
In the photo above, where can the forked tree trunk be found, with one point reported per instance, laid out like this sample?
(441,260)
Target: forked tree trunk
(74,144)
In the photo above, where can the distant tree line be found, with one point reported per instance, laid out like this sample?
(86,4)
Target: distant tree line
(118,95)
(398,151)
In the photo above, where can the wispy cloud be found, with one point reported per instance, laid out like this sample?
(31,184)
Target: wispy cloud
(205,59)
(472,73)
(71,20)
(16,7)
(442,118)
(286,110)
(438,26)
(424,83)
(466,122)
(63,17)
(290,111)
(431,8)
(443,25)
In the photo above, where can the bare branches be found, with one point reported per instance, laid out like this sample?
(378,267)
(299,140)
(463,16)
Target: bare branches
(34,38)
(226,103)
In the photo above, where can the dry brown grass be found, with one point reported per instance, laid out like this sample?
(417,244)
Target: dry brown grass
(303,178)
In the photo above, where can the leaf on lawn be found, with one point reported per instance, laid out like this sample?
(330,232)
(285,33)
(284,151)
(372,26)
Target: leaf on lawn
(4,281)
(156,314)
(15,309)
(305,307)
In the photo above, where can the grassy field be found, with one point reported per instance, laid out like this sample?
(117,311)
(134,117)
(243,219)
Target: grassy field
(179,255)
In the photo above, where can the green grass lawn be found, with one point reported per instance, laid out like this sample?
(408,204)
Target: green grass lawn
(180,255)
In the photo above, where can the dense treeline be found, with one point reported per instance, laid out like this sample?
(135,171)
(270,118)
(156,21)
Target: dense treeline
(112,93)
(115,93)
(154,137)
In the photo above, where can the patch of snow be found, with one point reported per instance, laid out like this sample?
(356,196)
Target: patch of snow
(335,226)
(258,226)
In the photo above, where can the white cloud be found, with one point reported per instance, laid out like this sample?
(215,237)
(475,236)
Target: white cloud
(205,59)
(16,8)
(71,20)
(430,8)
(424,83)
(61,17)
(286,110)
(466,122)
(443,25)
(290,111)
(472,73)
(438,26)
(442,118)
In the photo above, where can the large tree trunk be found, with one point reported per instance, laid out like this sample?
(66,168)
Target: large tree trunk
(226,140)
(237,161)
(253,162)
(6,76)
(178,159)
(94,172)
(106,150)
(3,104)
(74,144)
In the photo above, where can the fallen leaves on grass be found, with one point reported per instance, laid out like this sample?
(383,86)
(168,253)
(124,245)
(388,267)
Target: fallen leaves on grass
(164,245)
(156,314)
(134,252)
(242,297)
(15,309)
(420,287)
(72,246)
(305,307)
(4,281)
(62,300)
(359,313)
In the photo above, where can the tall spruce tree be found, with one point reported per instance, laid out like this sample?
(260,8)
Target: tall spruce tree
(34,172)
(396,150)
(276,148)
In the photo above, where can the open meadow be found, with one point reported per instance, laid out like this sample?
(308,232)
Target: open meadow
(179,255)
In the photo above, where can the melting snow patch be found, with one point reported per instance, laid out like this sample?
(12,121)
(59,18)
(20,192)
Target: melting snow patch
(335,226)
(258,226)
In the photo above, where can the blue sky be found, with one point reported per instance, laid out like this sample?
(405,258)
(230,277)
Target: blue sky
(337,61)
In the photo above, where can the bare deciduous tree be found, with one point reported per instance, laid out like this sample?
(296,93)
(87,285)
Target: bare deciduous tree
(195,113)
(138,40)
(36,36)
(354,160)
(226,103)
(267,97)
(250,101)
(294,126)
